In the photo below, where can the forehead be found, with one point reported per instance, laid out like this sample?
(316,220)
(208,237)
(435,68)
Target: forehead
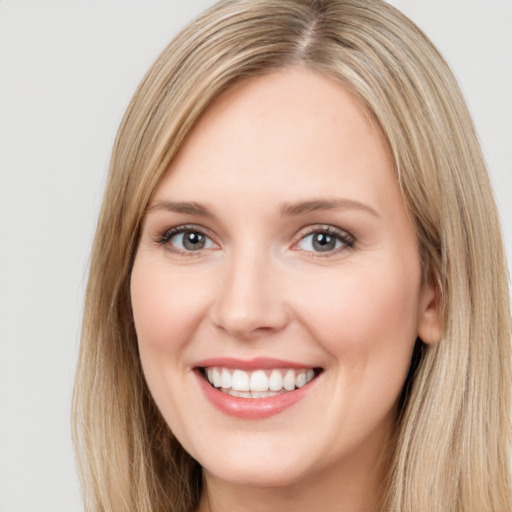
(283,135)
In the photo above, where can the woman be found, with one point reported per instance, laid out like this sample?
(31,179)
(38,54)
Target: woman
(297,296)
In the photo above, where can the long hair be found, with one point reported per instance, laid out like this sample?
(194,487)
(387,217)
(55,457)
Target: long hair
(450,450)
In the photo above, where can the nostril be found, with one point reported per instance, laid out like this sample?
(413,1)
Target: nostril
(247,304)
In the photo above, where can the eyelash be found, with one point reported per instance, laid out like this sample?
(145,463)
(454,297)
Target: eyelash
(346,239)
(165,237)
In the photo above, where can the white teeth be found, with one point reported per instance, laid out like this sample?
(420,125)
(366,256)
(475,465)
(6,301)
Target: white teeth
(289,380)
(275,381)
(249,394)
(242,394)
(225,378)
(240,381)
(300,380)
(259,383)
(216,378)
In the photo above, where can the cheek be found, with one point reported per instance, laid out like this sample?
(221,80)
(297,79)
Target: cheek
(357,304)
(166,307)
(367,321)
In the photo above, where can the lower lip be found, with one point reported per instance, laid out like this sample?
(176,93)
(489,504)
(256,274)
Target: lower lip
(252,408)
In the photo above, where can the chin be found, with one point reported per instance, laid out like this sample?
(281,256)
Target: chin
(260,473)
(258,460)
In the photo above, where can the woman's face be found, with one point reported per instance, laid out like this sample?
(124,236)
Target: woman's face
(277,262)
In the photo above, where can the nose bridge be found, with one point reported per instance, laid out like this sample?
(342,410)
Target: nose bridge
(249,301)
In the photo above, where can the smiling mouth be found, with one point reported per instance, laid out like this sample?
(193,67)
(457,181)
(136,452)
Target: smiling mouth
(258,383)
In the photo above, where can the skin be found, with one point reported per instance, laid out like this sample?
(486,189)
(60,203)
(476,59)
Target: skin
(259,288)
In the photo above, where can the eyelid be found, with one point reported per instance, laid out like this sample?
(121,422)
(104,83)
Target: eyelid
(348,240)
(343,235)
(164,236)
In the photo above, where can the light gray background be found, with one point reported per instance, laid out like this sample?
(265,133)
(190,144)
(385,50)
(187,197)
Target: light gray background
(67,71)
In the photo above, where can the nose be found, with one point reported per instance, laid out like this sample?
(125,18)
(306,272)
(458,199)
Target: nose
(250,301)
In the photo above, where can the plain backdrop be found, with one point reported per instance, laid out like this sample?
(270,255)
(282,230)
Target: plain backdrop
(67,71)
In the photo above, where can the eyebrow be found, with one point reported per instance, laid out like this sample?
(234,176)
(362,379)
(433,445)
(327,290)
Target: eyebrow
(288,209)
(304,207)
(186,207)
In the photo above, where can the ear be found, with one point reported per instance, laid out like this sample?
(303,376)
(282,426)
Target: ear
(429,322)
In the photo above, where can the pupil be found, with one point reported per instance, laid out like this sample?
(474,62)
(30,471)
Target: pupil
(193,241)
(324,242)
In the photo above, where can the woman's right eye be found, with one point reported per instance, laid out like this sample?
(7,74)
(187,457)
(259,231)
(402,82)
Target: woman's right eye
(185,239)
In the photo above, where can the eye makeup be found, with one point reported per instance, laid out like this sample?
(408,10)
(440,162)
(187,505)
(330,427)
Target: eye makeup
(318,240)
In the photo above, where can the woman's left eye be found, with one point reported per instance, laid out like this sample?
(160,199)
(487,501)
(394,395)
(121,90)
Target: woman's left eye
(325,241)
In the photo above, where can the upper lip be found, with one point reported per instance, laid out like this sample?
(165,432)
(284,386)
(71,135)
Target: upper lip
(258,363)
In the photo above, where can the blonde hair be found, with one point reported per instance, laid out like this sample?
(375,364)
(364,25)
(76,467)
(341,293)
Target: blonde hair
(452,432)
